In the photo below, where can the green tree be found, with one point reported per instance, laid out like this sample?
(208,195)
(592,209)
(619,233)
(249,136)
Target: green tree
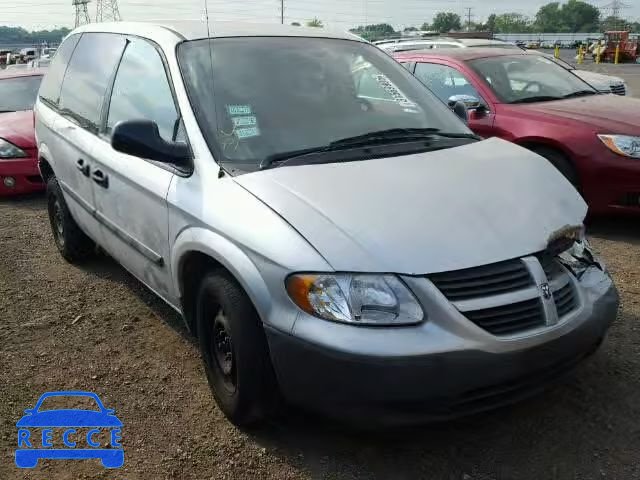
(317,23)
(549,18)
(426,27)
(491,23)
(512,23)
(9,35)
(445,22)
(578,16)
(374,32)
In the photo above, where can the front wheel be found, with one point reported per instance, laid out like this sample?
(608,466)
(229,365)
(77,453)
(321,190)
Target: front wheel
(562,164)
(234,350)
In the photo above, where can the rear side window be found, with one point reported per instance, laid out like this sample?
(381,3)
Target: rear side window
(88,76)
(141,91)
(50,88)
(444,81)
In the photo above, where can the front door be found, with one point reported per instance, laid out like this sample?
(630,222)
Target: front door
(446,82)
(131,192)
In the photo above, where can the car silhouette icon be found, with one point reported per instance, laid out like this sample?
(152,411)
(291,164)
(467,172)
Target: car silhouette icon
(69,419)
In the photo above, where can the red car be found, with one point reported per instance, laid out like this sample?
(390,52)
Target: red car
(593,139)
(18,153)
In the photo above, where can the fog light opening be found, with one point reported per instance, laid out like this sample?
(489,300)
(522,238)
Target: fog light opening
(9,182)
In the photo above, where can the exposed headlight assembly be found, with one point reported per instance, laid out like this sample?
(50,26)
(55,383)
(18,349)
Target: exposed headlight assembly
(624,145)
(9,150)
(357,299)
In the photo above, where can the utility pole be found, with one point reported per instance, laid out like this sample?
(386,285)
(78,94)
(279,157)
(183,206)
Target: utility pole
(81,12)
(469,18)
(282,12)
(615,8)
(108,11)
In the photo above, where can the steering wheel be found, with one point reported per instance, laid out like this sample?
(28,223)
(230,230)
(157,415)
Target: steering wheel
(531,84)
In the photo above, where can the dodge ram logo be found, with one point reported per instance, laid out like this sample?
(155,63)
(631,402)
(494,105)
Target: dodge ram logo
(546,291)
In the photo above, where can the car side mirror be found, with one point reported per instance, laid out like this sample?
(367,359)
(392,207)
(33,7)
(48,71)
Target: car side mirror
(469,101)
(141,138)
(460,109)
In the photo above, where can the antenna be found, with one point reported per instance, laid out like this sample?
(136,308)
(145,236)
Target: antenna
(82,12)
(108,11)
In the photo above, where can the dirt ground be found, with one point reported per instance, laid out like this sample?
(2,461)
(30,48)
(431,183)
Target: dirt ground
(97,329)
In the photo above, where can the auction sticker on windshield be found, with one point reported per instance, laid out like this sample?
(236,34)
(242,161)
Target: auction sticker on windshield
(50,432)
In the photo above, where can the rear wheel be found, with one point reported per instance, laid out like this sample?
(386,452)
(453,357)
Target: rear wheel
(561,162)
(234,350)
(71,241)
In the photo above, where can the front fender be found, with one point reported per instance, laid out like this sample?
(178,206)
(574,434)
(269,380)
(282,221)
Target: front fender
(229,256)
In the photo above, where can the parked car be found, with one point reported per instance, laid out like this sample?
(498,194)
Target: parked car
(403,45)
(18,155)
(315,215)
(602,83)
(594,140)
(28,54)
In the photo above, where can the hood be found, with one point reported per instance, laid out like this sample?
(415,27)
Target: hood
(605,113)
(598,80)
(18,128)
(69,418)
(425,213)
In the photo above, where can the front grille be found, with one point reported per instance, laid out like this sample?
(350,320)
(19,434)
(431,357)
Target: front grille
(565,299)
(550,265)
(630,200)
(619,89)
(509,319)
(494,279)
(34,179)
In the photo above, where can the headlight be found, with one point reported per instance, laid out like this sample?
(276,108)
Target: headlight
(9,150)
(624,145)
(355,298)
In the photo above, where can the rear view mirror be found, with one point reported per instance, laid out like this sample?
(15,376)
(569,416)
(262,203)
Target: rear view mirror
(141,138)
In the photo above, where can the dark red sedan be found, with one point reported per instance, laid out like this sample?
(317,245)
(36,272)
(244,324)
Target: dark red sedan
(18,153)
(593,139)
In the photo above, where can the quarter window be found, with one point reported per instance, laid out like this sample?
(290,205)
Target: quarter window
(141,91)
(444,81)
(50,88)
(88,76)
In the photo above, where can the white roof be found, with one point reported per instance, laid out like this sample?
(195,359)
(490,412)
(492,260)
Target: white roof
(197,29)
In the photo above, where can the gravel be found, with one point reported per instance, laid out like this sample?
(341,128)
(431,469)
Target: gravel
(96,328)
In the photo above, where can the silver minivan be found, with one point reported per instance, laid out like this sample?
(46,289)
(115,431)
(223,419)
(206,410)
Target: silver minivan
(333,234)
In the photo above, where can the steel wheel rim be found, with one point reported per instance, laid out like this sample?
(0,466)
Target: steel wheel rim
(222,352)
(58,224)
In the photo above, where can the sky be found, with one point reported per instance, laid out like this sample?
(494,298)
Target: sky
(47,14)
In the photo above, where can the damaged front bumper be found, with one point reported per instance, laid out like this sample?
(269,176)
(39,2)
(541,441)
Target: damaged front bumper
(443,368)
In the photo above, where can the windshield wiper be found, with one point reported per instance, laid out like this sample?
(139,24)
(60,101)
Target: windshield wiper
(539,98)
(399,134)
(379,138)
(580,93)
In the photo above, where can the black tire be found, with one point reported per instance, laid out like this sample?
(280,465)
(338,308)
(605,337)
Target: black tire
(561,162)
(72,243)
(234,350)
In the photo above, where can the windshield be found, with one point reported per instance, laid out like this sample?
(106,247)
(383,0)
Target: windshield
(517,79)
(280,94)
(19,94)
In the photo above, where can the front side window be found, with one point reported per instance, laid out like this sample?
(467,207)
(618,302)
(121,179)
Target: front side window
(141,91)
(19,94)
(259,97)
(529,78)
(50,89)
(444,81)
(88,75)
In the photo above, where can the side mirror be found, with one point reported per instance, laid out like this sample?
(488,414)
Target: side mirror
(461,111)
(469,101)
(141,138)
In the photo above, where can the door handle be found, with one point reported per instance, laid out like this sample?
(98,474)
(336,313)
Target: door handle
(100,178)
(83,166)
